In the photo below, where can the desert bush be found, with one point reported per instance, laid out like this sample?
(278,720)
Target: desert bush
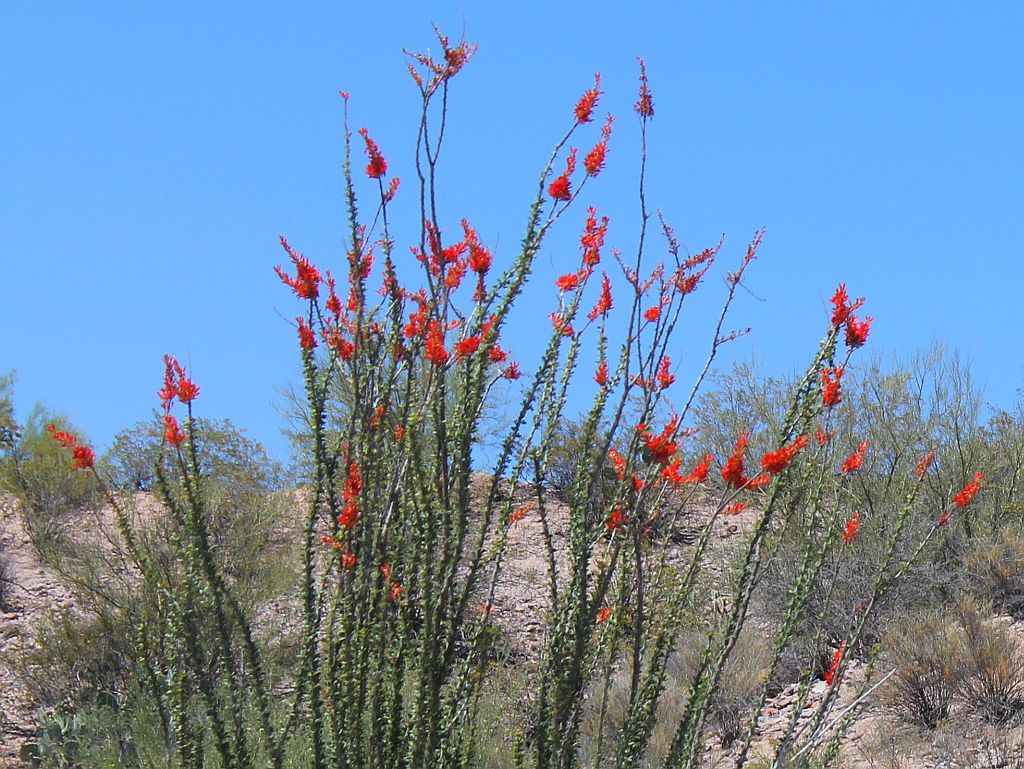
(924,649)
(992,682)
(401,556)
(48,489)
(78,659)
(994,570)
(743,678)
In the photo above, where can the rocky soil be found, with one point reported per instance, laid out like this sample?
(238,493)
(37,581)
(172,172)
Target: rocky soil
(519,607)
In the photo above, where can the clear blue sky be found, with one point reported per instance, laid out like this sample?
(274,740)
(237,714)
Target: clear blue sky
(151,153)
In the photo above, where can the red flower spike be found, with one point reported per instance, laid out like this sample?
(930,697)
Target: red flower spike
(568,282)
(348,559)
(732,473)
(764,479)
(603,614)
(853,462)
(652,314)
(616,520)
(585,106)
(604,302)
(644,105)
(306,283)
(618,463)
(837,660)
(187,389)
(170,389)
(307,341)
(852,526)
(520,512)
(593,238)
(434,346)
(82,457)
(842,306)
(377,167)
(395,592)
(594,161)
(823,437)
(467,346)
(511,372)
(661,447)
(925,462)
(601,376)
(479,257)
(775,462)
(664,378)
(172,432)
(967,493)
(561,188)
(63,437)
(735,508)
(831,389)
(857,331)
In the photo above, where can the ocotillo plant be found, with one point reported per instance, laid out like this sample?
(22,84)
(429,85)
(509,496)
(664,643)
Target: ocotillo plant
(402,559)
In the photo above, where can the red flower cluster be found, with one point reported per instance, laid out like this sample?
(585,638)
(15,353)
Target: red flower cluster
(568,282)
(377,166)
(853,462)
(735,508)
(594,161)
(561,187)
(604,301)
(660,447)
(967,494)
(172,432)
(843,313)
(585,106)
(842,307)
(82,457)
(307,341)
(653,313)
(592,238)
(852,527)
(618,463)
(831,390)
(664,378)
(434,344)
(616,520)
(601,375)
(775,462)
(176,384)
(837,660)
(732,472)
(306,283)
(467,346)
(520,512)
(353,486)
(699,473)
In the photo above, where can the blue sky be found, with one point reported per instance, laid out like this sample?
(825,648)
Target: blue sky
(151,154)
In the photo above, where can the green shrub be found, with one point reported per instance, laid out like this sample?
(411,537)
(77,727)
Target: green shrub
(924,649)
(48,490)
(992,655)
